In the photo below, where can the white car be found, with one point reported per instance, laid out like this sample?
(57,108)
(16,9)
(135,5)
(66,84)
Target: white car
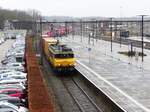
(8,107)
(8,60)
(12,72)
(22,78)
(13,75)
(16,66)
(5,71)
(18,85)
(11,53)
(12,81)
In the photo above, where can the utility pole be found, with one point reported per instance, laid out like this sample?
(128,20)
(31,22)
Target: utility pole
(142,29)
(93,32)
(121,26)
(72,30)
(41,40)
(120,37)
(66,30)
(115,30)
(96,30)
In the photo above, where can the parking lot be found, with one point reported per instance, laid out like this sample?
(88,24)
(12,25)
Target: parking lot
(13,77)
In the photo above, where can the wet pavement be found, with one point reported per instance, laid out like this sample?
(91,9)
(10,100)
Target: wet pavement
(126,80)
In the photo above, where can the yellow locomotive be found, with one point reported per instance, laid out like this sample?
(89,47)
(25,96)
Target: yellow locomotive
(59,55)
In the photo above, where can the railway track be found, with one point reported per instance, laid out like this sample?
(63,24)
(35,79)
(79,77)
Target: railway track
(71,90)
(70,95)
(84,102)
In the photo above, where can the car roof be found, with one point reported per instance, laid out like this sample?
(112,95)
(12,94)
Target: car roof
(9,98)
(4,95)
(8,104)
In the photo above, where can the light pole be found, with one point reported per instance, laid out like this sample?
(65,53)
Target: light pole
(66,29)
(72,30)
(111,32)
(41,40)
(81,29)
(93,31)
(96,30)
(142,29)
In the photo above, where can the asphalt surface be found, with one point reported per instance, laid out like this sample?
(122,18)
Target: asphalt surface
(4,47)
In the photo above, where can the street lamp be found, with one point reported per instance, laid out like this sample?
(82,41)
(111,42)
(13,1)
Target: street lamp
(142,35)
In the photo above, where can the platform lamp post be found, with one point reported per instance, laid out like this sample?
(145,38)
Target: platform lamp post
(111,33)
(93,33)
(96,30)
(81,29)
(142,29)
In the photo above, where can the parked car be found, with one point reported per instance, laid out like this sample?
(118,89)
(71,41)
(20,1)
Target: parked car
(11,86)
(18,77)
(16,86)
(9,107)
(14,100)
(13,71)
(13,74)
(4,95)
(5,71)
(21,77)
(13,92)
(8,60)
(12,81)
(16,66)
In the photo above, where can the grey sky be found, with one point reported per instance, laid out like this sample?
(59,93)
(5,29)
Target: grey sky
(77,8)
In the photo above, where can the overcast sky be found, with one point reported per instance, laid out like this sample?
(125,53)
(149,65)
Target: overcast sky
(82,8)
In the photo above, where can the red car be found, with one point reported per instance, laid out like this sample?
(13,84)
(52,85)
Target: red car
(13,92)
(50,34)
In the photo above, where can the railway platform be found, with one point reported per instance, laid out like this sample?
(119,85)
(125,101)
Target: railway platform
(124,80)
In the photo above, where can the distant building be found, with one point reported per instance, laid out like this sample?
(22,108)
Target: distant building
(8,25)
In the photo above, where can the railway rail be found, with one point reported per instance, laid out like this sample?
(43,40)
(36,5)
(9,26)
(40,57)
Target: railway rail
(75,90)
(84,102)
(76,99)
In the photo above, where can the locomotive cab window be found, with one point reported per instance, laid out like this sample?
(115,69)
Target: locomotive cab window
(64,55)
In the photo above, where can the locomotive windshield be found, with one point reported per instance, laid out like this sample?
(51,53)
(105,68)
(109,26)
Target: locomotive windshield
(64,55)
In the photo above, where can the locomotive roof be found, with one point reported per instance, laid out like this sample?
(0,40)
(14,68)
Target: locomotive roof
(60,48)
